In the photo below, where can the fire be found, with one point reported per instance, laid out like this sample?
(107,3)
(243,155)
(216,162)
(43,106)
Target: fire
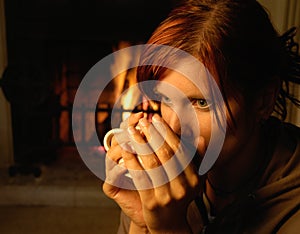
(117,94)
(126,80)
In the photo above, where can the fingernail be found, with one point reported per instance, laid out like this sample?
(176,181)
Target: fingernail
(143,122)
(139,113)
(155,118)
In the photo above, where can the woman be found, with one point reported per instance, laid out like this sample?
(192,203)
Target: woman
(253,187)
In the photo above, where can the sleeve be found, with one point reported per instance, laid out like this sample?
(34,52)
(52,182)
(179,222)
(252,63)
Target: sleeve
(194,218)
(124,224)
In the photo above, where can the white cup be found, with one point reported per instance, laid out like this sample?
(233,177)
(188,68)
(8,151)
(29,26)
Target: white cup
(109,135)
(122,137)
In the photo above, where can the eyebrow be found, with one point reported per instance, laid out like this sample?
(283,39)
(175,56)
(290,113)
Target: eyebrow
(159,90)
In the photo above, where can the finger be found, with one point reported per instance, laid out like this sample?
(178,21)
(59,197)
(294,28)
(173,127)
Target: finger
(183,177)
(156,140)
(151,163)
(114,153)
(197,156)
(164,129)
(184,187)
(110,190)
(139,176)
(143,149)
(120,136)
(184,163)
(116,171)
(190,173)
(110,139)
(132,120)
(117,179)
(184,151)
(115,174)
(144,180)
(172,167)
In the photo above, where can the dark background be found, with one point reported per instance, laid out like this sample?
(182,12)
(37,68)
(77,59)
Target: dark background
(53,42)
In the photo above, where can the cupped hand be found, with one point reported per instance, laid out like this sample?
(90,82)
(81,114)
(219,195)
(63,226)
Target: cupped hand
(166,178)
(128,199)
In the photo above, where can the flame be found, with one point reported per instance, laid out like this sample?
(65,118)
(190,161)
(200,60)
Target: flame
(122,60)
(130,97)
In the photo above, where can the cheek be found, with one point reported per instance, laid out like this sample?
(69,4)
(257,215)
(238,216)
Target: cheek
(165,113)
(237,136)
(201,141)
(203,124)
(204,121)
(234,143)
(170,117)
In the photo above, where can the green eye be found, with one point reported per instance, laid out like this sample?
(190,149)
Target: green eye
(201,103)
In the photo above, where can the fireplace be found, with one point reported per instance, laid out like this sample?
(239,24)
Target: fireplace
(51,45)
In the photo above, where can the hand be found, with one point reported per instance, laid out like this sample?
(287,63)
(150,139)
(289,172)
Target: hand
(162,207)
(164,204)
(128,200)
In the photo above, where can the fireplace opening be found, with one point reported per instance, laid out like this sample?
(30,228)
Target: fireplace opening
(51,46)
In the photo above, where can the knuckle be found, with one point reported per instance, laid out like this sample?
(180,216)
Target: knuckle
(181,193)
(114,153)
(151,162)
(194,181)
(139,176)
(151,205)
(165,153)
(134,118)
(165,200)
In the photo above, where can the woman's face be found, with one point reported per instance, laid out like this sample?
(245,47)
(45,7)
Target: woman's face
(176,113)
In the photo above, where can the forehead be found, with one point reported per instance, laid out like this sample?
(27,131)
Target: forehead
(182,84)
